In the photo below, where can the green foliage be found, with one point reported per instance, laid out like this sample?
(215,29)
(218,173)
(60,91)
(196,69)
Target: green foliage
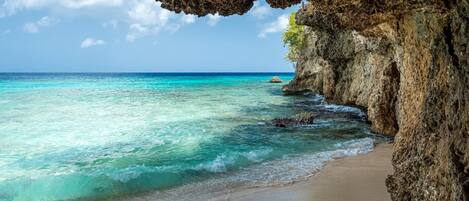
(294,38)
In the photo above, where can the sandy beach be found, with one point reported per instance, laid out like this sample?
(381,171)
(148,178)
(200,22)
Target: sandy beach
(359,178)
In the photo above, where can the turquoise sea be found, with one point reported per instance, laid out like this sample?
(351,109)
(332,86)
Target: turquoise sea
(112,136)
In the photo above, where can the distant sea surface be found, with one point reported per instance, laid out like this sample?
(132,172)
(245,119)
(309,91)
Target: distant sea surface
(99,136)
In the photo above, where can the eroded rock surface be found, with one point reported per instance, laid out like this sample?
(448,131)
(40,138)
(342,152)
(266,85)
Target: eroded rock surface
(407,62)
(352,69)
(404,60)
(222,7)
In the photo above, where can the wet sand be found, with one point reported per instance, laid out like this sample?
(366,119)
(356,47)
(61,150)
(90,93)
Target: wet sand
(359,178)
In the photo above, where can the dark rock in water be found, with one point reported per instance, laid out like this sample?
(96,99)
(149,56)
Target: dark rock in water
(282,122)
(287,91)
(300,119)
(276,79)
(342,115)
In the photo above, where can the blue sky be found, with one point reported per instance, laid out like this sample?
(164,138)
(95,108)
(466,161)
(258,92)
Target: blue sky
(137,36)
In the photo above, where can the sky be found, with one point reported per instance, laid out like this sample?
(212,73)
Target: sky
(137,36)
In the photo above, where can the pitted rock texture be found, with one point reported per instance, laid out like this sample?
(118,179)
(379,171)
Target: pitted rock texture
(407,62)
(222,7)
(404,60)
(352,69)
(282,3)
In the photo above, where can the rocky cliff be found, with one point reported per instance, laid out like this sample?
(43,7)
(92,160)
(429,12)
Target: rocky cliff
(353,69)
(406,61)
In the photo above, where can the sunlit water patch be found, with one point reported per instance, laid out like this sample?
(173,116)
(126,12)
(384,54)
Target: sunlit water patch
(83,136)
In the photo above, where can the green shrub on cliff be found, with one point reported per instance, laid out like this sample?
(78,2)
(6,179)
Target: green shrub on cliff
(294,38)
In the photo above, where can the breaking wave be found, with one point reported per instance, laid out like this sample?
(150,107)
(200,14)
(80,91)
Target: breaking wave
(270,173)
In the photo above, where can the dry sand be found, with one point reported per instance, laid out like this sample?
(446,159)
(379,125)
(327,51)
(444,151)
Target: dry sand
(360,178)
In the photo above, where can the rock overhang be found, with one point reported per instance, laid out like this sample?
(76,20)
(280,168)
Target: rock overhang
(221,7)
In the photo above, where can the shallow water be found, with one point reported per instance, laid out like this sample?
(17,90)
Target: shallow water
(82,136)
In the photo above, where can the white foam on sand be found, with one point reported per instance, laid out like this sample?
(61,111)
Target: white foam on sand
(270,173)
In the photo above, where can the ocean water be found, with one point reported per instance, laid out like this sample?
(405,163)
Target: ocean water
(100,136)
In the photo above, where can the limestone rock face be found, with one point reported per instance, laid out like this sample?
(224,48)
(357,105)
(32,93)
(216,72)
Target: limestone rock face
(282,3)
(350,68)
(222,7)
(407,62)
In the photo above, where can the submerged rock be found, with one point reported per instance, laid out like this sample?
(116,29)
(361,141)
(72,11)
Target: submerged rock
(287,91)
(276,79)
(300,119)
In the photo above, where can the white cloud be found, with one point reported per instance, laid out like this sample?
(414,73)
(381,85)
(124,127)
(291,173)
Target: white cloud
(34,27)
(188,19)
(90,42)
(148,13)
(10,7)
(146,17)
(141,17)
(277,26)
(213,19)
(260,11)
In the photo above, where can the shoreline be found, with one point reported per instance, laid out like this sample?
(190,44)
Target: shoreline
(350,178)
(354,178)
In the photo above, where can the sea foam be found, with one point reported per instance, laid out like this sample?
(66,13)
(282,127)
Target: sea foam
(270,173)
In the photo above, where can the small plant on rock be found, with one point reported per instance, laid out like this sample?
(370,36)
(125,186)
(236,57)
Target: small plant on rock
(294,38)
